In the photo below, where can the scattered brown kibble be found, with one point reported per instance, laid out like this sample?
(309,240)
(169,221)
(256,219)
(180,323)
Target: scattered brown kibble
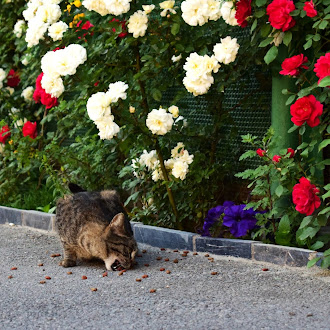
(214,273)
(175,250)
(162,249)
(144,251)
(152,290)
(184,254)
(162,269)
(265,269)
(105,274)
(121,273)
(40,265)
(159,258)
(147,265)
(13,268)
(94,289)
(84,277)
(10,276)
(292,313)
(167,259)
(144,276)
(42,282)
(69,273)
(195,253)
(168,272)
(175,261)
(309,314)
(55,255)
(138,280)
(206,255)
(48,278)
(211,259)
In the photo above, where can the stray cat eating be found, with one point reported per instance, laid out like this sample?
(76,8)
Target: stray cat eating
(95,225)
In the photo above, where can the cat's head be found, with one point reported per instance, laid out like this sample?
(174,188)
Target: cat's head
(121,246)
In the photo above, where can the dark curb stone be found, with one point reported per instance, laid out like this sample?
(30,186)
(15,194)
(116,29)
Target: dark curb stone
(281,255)
(223,246)
(163,237)
(38,220)
(10,215)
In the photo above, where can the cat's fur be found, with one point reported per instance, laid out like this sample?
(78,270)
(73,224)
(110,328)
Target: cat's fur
(94,224)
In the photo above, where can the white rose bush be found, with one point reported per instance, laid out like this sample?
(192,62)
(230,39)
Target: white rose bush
(130,95)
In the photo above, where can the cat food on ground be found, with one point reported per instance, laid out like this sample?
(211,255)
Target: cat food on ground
(195,253)
(48,278)
(175,250)
(214,273)
(55,255)
(162,269)
(42,282)
(40,265)
(69,273)
(10,276)
(105,274)
(175,261)
(13,268)
(167,259)
(168,272)
(159,258)
(152,290)
(265,269)
(84,277)
(94,289)
(162,249)
(138,280)
(121,272)
(186,252)
(206,255)
(144,276)
(147,265)
(144,251)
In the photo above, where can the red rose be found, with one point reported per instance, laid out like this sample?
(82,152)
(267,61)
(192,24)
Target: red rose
(30,129)
(276,158)
(40,95)
(322,66)
(307,109)
(291,66)
(124,33)
(4,134)
(243,11)
(261,152)
(304,197)
(291,152)
(13,78)
(310,9)
(279,14)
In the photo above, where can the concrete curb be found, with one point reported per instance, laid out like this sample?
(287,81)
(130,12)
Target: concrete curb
(175,239)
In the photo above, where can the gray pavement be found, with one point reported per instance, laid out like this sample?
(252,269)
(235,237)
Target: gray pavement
(240,296)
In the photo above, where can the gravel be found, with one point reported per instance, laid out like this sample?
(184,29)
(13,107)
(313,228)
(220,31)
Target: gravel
(240,295)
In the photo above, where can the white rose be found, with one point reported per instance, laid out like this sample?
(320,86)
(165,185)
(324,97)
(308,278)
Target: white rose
(195,12)
(96,5)
(107,127)
(98,106)
(180,169)
(138,24)
(176,58)
(117,7)
(214,9)
(226,51)
(10,90)
(117,91)
(148,8)
(167,6)
(25,60)
(52,85)
(199,86)
(185,157)
(174,110)
(175,152)
(27,94)
(49,63)
(157,174)
(3,76)
(228,12)
(18,28)
(49,13)
(79,53)
(35,32)
(149,159)
(56,30)
(159,121)
(20,122)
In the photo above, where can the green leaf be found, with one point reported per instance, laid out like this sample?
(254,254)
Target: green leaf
(248,154)
(327,195)
(279,191)
(271,55)
(317,245)
(254,25)
(157,94)
(259,13)
(175,29)
(265,42)
(290,99)
(323,25)
(302,130)
(312,262)
(325,263)
(308,44)
(302,146)
(284,225)
(308,232)
(325,82)
(260,3)
(293,128)
(306,221)
(287,38)
(323,144)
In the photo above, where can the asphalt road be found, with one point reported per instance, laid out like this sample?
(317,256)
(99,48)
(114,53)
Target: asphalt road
(240,296)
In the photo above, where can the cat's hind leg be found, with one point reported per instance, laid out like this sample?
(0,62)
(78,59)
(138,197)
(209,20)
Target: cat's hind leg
(70,256)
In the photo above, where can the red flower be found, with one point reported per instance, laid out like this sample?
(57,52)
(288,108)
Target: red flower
(304,197)
(291,152)
(291,66)
(310,9)
(4,134)
(279,14)
(322,67)
(124,33)
(40,95)
(97,83)
(13,78)
(243,11)
(261,152)
(276,158)
(307,109)
(30,129)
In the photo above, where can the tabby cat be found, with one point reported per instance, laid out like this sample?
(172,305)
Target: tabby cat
(94,224)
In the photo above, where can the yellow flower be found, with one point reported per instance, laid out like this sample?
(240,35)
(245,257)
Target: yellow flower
(68,8)
(75,20)
(77,3)
(11,142)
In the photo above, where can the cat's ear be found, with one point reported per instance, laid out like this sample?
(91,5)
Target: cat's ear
(117,225)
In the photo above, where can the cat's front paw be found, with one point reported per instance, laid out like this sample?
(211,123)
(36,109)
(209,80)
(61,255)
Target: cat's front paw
(67,263)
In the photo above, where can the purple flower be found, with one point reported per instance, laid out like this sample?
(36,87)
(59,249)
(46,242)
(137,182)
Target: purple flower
(239,221)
